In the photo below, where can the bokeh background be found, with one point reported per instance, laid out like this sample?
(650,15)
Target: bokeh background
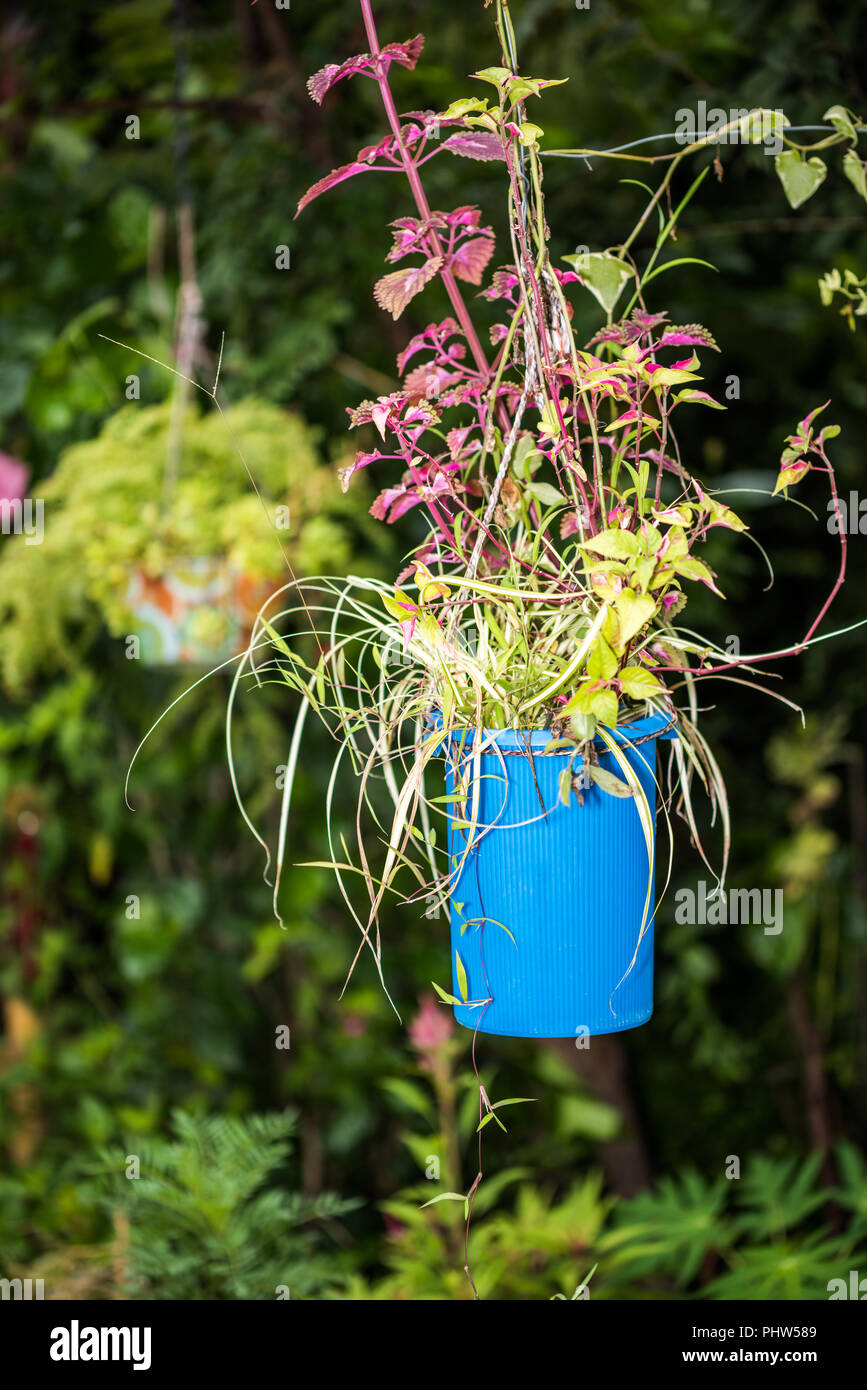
(152,1032)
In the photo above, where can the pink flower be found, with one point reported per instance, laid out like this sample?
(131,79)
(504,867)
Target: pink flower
(14,477)
(430,1031)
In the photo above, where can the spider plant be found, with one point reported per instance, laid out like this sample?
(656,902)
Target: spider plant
(562,524)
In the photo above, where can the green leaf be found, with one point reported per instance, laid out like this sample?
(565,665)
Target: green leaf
(525,458)
(759,124)
(465,104)
(546,494)
(565,784)
(613,544)
(639,683)
(446,998)
(800,178)
(408,1094)
(446,1197)
(515,1100)
(496,76)
(692,568)
(602,661)
(401,606)
(634,611)
(602,274)
(607,782)
(700,398)
(856,172)
(583,723)
(486,1119)
(529,133)
(462,978)
(522,87)
(557,745)
(843,122)
(603,703)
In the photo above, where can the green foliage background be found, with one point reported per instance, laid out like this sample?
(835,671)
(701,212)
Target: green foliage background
(758,1048)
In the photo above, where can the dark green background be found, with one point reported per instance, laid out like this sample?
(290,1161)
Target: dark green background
(758,1046)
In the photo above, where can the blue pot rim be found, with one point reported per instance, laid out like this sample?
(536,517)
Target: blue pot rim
(655,725)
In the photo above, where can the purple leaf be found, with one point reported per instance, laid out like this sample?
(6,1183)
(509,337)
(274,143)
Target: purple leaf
(646,321)
(361,460)
(407,54)
(468,260)
(690,335)
(434,338)
(429,380)
(475,144)
(346,171)
(393,292)
(456,440)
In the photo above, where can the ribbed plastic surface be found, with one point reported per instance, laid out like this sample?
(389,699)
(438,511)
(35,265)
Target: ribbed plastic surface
(569,884)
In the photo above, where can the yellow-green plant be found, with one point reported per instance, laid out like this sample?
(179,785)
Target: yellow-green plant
(107,513)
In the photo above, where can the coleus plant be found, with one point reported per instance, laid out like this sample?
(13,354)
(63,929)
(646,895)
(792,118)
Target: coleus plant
(563,527)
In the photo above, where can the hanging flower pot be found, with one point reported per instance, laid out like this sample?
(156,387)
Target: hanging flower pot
(199,611)
(552,900)
(539,609)
(187,578)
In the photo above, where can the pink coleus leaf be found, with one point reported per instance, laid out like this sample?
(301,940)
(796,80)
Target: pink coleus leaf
(674,515)
(646,321)
(346,171)
(689,335)
(387,151)
(394,502)
(791,471)
(468,260)
(407,54)
(475,144)
(393,292)
(390,498)
(692,568)
(803,432)
(429,380)
(692,397)
(456,440)
(570,525)
(504,284)
(409,235)
(434,338)
(385,407)
(361,460)
(670,600)
(468,216)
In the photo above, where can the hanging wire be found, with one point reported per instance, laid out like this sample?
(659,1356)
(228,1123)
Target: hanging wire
(668,135)
(189,325)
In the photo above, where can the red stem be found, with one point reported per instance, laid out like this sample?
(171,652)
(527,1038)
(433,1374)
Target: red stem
(421,201)
(799,646)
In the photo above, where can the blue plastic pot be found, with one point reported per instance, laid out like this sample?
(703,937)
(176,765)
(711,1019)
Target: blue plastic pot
(546,913)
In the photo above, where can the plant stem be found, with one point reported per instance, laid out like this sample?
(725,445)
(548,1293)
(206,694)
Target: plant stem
(420,197)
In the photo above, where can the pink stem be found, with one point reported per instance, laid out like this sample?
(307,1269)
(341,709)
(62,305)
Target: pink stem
(421,201)
(799,646)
